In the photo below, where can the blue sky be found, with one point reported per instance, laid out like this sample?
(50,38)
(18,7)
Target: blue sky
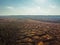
(29,7)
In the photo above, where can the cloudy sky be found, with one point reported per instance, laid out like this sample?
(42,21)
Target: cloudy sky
(29,7)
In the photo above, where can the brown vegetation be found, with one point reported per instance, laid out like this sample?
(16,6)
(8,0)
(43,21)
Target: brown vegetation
(28,32)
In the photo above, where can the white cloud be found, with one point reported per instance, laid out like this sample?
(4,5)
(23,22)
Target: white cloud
(27,10)
(37,10)
(52,6)
(40,1)
(33,10)
(9,7)
(54,11)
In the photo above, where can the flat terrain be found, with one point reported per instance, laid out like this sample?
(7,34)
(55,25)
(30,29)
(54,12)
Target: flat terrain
(28,32)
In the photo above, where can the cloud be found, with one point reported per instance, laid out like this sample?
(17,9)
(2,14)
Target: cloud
(40,1)
(32,11)
(52,6)
(55,11)
(10,7)
(28,10)
(35,10)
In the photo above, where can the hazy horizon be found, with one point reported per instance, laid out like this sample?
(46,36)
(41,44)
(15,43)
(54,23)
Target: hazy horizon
(29,15)
(29,7)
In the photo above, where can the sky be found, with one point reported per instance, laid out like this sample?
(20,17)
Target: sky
(29,7)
